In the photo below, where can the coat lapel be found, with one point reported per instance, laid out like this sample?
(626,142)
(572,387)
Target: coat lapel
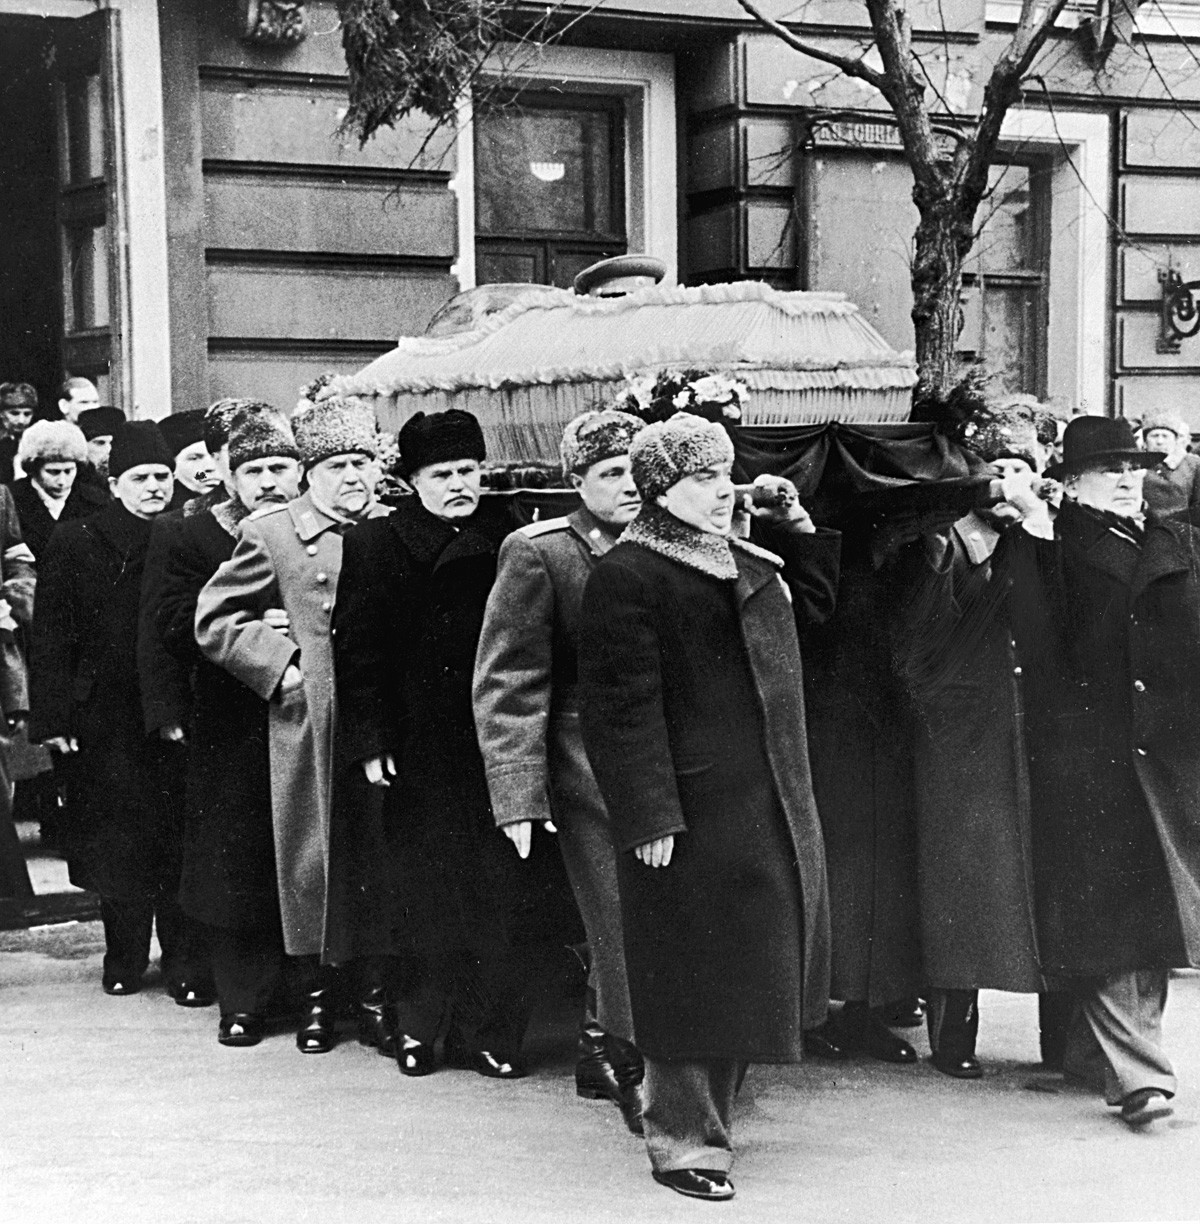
(1167,550)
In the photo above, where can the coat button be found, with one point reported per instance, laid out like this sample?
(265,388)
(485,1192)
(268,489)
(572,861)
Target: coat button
(327,606)
(311,550)
(1139,687)
(322,577)
(1141,751)
(1016,671)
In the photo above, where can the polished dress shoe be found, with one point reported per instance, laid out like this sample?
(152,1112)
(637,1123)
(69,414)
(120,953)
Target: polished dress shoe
(825,1042)
(953,1030)
(708,1184)
(240,1029)
(115,984)
(414,1057)
(966,1067)
(317,1033)
(462,1057)
(863,1032)
(377,1022)
(1144,1106)
(189,994)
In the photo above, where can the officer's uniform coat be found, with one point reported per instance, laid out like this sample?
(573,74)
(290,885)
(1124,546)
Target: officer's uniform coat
(287,557)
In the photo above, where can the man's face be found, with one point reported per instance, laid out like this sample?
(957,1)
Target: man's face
(98,452)
(16,419)
(608,490)
(195,469)
(449,490)
(55,479)
(704,499)
(80,399)
(143,490)
(1115,487)
(345,484)
(264,482)
(1161,440)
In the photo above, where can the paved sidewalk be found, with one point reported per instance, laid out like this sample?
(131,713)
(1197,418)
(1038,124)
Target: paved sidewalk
(128,1110)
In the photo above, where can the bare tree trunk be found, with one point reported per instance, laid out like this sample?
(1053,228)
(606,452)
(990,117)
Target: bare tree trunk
(943,240)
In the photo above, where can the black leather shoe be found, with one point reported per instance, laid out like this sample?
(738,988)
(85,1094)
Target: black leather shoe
(697,1183)
(414,1057)
(317,1033)
(189,994)
(904,1013)
(824,1042)
(966,1067)
(1144,1106)
(953,1031)
(461,1056)
(116,985)
(240,1029)
(377,1022)
(864,1033)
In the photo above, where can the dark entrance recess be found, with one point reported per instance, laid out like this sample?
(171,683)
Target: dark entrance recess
(30,281)
(549,187)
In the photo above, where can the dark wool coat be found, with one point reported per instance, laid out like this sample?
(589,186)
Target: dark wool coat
(18,578)
(37,523)
(1174,490)
(407,623)
(693,720)
(1108,637)
(972,781)
(228,876)
(860,743)
(124,838)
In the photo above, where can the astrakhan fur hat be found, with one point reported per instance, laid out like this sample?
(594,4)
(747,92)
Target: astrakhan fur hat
(667,451)
(220,415)
(259,432)
(51,442)
(595,436)
(335,427)
(1164,418)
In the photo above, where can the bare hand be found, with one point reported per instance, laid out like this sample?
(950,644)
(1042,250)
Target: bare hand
(173,734)
(657,853)
(521,834)
(62,744)
(380,770)
(277,618)
(781,506)
(291,679)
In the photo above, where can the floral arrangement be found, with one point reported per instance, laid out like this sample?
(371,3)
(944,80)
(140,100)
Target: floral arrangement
(657,397)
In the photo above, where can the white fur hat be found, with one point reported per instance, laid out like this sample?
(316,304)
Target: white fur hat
(51,442)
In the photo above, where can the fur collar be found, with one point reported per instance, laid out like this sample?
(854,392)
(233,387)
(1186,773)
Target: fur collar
(660,531)
(206,501)
(228,514)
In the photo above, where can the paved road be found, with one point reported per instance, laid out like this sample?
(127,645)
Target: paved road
(128,1110)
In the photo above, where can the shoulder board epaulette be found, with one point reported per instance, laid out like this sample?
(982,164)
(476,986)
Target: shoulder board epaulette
(544,527)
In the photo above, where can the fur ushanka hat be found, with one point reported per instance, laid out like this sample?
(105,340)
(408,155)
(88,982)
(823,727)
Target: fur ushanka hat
(667,451)
(594,436)
(220,415)
(51,442)
(437,437)
(259,432)
(183,429)
(335,427)
(1164,418)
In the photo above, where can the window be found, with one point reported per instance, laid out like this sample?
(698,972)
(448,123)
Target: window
(1007,277)
(549,187)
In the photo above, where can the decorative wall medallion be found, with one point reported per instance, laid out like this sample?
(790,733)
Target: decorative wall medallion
(278,23)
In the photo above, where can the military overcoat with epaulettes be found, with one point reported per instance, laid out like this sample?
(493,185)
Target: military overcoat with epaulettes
(287,557)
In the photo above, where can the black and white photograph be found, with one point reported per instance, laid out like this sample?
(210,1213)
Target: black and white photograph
(599,611)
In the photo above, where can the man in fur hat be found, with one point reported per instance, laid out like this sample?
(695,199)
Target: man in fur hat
(195,471)
(126,840)
(527,718)
(51,454)
(410,611)
(229,882)
(1173,485)
(265,617)
(693,719)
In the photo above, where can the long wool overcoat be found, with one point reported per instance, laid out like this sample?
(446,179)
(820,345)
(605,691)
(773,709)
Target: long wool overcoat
(408,621)
(1108,638)
(974,842)
(287,557)
(125,835)
(228,877)
(38,524)
(693,719)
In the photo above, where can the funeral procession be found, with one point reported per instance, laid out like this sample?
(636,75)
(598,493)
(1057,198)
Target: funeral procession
(599,602)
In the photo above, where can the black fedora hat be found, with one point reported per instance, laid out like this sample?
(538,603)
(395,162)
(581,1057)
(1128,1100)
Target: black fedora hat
(1092,441)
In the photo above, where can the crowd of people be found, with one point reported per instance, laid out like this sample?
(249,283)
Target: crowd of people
(383,762)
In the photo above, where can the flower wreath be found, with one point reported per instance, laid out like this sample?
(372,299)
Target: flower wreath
(657,397)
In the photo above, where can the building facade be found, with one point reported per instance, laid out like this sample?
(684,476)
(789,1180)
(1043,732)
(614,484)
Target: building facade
(188,220)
